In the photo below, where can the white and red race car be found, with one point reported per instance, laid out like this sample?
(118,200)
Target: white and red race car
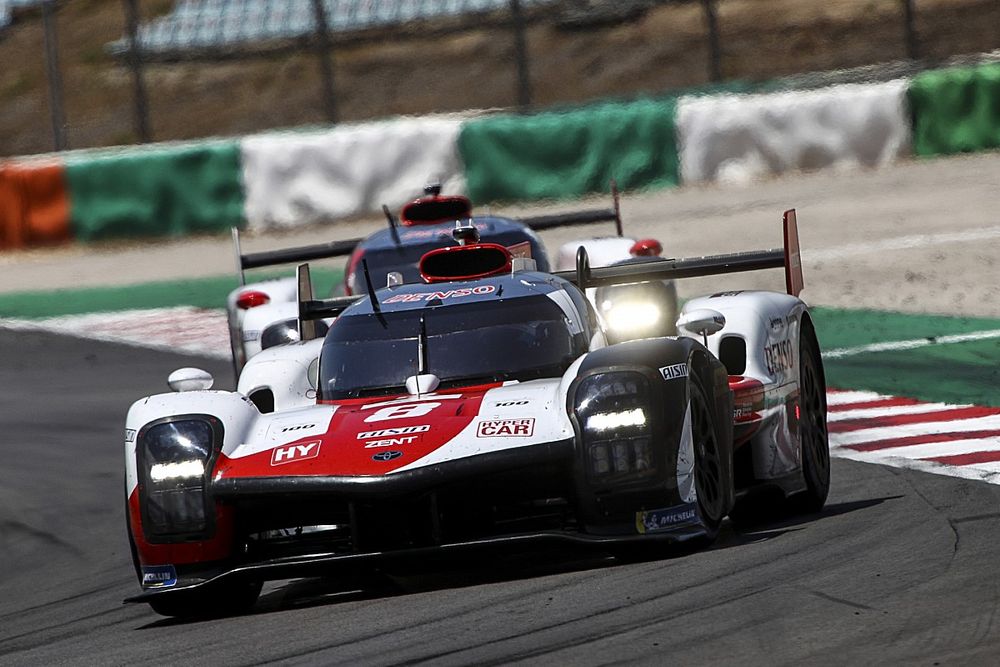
(480,406)
(263,314)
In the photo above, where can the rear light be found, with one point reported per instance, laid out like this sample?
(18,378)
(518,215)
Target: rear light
(646,248)
(252,299)
(748,398)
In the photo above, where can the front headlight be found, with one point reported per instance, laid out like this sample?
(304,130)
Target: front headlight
(633,319)
(175,457)
(615,427)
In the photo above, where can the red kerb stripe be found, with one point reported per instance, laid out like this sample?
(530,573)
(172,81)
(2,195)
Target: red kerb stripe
(892,402)
(967,459)
(923,439)
(954,414)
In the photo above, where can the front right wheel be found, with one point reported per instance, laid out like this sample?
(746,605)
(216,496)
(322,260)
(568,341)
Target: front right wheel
(813,432)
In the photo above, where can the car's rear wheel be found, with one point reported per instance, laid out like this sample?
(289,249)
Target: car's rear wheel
(812,426)
(223,600)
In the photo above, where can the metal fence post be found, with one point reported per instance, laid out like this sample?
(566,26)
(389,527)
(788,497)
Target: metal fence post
(324,49)
(56,111)
(521,55)
(135,64)
(714,47)
(910,25)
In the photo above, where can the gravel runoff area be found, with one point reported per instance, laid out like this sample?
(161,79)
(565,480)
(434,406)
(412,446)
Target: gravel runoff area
(920,236)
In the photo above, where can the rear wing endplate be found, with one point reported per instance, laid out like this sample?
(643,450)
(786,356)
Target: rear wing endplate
(312,309)
(787,258)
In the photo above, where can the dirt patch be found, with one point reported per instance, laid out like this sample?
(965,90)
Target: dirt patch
(663,49)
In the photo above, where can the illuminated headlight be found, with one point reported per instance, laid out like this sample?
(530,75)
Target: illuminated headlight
(165,472)
(634,317)
(175,457)
(616,430)
(609,421)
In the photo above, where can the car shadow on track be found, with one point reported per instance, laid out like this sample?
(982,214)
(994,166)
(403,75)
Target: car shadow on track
(318,592)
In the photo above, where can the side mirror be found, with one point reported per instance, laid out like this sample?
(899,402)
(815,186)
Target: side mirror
(703,322)
(190,379)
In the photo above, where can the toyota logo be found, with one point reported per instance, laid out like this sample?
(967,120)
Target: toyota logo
(386,456)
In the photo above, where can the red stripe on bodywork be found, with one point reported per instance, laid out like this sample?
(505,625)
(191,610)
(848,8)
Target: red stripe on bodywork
(967,459)
(955,414)
(891,402)
(922,439)
(218,547)
(343,453)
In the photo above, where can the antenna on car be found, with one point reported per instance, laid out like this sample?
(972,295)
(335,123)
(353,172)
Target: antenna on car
(392,224)
(618,210)
(371,289)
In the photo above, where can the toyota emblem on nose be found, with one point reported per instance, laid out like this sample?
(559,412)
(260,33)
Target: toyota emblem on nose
(386,456)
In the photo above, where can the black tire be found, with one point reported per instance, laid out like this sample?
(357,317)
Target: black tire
(812,426)
(218,601)
(709,472)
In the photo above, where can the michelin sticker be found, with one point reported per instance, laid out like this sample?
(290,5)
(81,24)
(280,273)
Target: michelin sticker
(674,371)
(159,576)
(659,520)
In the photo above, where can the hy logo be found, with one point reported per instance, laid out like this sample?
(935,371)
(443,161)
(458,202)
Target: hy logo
(291,453)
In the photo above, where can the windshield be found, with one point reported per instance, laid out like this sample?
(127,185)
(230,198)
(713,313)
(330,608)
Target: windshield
(519,339)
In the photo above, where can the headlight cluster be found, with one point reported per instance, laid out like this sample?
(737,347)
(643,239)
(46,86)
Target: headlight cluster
(635,311)
(612,411)
(175,458)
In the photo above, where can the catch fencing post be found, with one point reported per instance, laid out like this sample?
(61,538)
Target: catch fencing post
(910,25)
(56,111)
(521,55)
(324,49)
(135,64)
(714,47)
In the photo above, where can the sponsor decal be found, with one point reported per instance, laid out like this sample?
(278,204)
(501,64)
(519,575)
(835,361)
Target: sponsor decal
(292,453)
(665,519)
(510,404)
(297,427)
(250,336)
(388,432)
(447,294)
(387,456)
(402,411)
(392,442)
(730,293)
(509,428)
(130,435)
(158,576)
(779,357)
(520,250)
(674,371)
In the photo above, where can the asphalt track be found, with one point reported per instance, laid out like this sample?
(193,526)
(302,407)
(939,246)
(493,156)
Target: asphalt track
(900,567)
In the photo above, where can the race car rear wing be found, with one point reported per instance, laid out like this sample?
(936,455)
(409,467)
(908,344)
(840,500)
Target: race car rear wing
(788,258)
(343,248)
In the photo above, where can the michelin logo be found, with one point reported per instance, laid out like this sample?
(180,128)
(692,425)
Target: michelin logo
(159,576)
(674,372)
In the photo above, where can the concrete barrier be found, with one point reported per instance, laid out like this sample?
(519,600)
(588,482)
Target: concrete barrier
(739,138)
(293,179)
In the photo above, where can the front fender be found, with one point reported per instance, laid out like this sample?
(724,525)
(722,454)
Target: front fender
(666,364)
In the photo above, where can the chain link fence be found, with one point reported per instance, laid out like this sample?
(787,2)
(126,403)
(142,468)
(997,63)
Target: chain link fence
(102,72)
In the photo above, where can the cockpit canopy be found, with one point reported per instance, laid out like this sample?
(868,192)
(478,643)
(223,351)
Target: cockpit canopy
(466,338)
